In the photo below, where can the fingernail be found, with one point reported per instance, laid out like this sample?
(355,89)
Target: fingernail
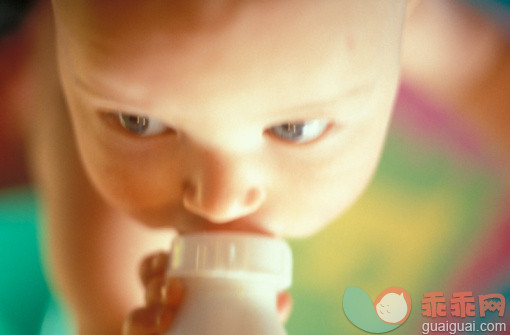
(153,291)
(172,292)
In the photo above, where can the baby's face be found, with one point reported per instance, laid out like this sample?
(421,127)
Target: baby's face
(249,115)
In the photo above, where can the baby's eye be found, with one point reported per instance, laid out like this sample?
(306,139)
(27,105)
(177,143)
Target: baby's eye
(141,125)
(300,132)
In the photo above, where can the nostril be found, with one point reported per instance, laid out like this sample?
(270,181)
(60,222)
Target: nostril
(254,197)
(190,194)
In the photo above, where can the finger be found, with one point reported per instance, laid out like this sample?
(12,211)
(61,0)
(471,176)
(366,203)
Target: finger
(154,291)
(166,291)
(153,266)
(173,292)
(284,306)
(149,320)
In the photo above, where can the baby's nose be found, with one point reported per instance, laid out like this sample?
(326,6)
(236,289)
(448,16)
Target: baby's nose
(221,190)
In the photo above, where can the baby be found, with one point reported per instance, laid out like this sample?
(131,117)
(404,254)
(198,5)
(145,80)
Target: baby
(256,116)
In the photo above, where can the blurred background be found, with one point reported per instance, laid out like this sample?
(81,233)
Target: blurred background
(435,218)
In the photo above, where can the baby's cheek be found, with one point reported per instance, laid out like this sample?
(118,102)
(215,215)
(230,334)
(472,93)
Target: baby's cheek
(133,184)
(308,205)
(334,185)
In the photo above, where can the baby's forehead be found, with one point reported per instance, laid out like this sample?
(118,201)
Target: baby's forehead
(141,24)
(133,16)
(136,22)
(295,42)
(196,15)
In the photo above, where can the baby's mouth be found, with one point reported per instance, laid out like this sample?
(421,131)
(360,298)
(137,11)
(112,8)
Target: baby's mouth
(240,225)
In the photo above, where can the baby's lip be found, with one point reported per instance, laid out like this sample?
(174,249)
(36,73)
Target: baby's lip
(242,226)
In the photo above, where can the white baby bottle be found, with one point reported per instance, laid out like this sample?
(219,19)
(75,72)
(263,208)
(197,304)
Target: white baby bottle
(231,283)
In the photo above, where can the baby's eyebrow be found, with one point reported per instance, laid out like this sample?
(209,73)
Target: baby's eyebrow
(132,99)
(327,105)
(108,95)
(349,93)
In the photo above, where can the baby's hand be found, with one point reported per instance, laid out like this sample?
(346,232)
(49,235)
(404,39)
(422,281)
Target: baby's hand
(163,297)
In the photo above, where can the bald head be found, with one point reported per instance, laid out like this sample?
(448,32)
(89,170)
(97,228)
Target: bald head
(221,73)
(125,17)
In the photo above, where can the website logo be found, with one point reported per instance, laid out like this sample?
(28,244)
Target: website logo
(386,313)
(449,314)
